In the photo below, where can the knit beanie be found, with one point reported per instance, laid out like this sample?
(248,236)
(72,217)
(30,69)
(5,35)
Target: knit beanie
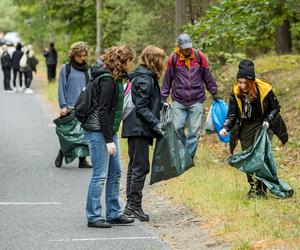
(246,70)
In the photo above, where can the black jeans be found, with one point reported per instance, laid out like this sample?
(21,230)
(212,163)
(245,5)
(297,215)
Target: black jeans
(28,78)
(6,78)
(20,77)
(138,168)
(51,72)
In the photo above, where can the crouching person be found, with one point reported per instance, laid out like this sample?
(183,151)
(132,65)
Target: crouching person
(252,104)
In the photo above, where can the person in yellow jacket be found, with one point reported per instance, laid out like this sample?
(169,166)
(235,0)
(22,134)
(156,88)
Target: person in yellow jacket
(252,104)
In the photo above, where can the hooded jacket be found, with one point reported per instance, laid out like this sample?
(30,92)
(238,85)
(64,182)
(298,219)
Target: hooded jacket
(146,97)
(270,109)
(104,102)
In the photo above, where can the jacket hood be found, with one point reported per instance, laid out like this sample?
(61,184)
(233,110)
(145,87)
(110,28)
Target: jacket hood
(98,69)
(140,70)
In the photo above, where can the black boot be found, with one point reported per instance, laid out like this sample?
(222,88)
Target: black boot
(136,212)
(59,159)
(83,163)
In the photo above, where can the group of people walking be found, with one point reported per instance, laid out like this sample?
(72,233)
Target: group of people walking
(22,62)
(186,77)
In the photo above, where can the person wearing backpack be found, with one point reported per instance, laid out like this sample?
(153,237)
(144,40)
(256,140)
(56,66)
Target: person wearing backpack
(188,75)
(16,58)
(141,125)
(32,62)
(101,127)
(6,65)
(73,77)
(252,105)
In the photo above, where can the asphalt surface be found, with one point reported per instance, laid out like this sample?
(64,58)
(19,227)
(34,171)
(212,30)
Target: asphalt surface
(41,206)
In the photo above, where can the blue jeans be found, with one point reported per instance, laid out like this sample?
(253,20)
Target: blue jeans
(106,171)
(192,117)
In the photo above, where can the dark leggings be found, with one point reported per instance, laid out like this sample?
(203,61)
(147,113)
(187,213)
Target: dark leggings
(247,135)
(138,168)
(28,78)
(20,77)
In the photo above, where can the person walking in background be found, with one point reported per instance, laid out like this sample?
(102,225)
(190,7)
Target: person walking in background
(16,57)
(101,129)
(31,63)
(6,65)
(73,77)
(140,125)
(252,105)
(51,62)
(188,75)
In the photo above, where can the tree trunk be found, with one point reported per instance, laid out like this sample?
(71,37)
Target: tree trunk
(283,40)
(99,49)
(180,17)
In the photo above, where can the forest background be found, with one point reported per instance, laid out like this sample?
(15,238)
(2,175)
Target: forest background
(266,31)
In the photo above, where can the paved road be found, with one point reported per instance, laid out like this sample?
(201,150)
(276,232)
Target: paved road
(41,206)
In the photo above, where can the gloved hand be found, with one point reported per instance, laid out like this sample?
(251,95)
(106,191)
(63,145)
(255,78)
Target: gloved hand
(158,128)
(216,97)
(223,132)
(111,148)
(266,124)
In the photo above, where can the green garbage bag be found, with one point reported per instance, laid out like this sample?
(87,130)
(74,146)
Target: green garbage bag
(170,158)
(71,137)
(258,160)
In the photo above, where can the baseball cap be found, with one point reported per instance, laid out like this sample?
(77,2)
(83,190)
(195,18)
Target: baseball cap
(185,41)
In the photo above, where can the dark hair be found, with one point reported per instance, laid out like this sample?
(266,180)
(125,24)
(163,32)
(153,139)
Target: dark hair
(51,45)
(19,46)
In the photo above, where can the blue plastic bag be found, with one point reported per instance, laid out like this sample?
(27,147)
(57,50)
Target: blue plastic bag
(219,113)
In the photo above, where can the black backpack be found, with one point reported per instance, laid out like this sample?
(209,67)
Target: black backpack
(84,106)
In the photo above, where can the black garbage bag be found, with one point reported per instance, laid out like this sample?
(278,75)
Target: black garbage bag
(71,137)
(170,158)
(258,160)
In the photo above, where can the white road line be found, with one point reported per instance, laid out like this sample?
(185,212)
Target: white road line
(28,203)
(103,239)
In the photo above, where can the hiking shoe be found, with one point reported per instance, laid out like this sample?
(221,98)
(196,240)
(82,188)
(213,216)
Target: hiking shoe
(59,159)
(123,219)
(83,163)
(136,212)
(99,224)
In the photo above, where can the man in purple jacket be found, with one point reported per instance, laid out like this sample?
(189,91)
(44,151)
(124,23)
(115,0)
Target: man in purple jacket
(188,75)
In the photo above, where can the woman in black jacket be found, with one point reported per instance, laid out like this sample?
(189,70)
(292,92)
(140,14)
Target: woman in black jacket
(252,104)
(16,57)
(101,129)
(139,126)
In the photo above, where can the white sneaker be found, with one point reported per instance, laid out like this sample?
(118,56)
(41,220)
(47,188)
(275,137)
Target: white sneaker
(28,91)
(19,89)
(14,89)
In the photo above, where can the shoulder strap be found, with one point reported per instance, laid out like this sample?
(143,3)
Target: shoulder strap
(68,70)
(198,57)
(174,59)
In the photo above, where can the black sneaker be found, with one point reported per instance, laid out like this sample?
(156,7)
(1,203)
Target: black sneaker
(59,159)
(137,213)
(83,163)
(123,219)
(99,224)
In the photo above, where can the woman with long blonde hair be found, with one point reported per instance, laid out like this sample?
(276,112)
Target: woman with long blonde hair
(140,125)
(101,129)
